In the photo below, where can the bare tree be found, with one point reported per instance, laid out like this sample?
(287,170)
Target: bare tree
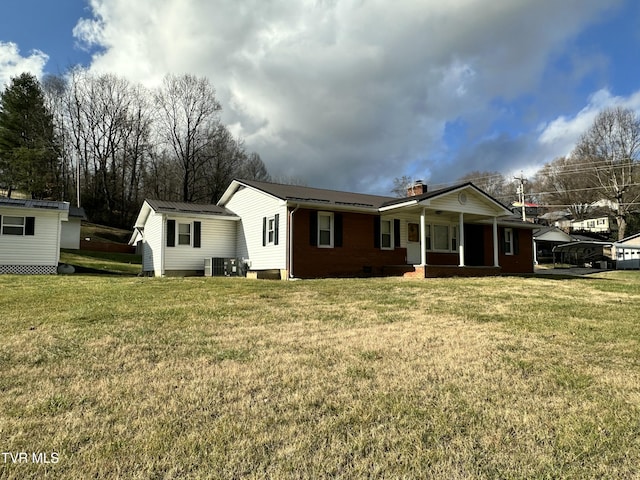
(401,186)
(495,184)
(187,119)
(108,126)
(611,146)
(563,183)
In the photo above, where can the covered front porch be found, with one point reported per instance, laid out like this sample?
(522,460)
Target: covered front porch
(457,232)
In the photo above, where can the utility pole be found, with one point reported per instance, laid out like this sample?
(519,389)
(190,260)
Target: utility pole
(520,192)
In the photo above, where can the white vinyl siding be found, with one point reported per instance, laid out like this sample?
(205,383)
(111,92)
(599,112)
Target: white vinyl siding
(153,244)
(70,237)
(40,249)
(476,204)
(217,237)
(253,206)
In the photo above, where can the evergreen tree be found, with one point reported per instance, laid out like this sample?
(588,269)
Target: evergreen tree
(29,159)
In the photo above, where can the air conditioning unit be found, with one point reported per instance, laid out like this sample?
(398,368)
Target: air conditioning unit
(224,267)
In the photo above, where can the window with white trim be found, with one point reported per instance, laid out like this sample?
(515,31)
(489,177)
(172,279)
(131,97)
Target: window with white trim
(386,234)
(441,238)
(184,234)
(271,230)
(325,229)
(13,225)
(508,241)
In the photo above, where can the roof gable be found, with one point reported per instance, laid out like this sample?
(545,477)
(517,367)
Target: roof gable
(461,197)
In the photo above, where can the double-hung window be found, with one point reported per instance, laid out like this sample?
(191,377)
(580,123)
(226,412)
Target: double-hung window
(386,234)
(441,237)
(184,234)
(13,225)
(271,230)
(325,229)
(508,241)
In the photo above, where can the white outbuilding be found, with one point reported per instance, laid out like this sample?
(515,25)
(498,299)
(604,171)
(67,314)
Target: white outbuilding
(30,232)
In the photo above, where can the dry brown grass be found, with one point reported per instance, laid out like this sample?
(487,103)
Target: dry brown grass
(378,378)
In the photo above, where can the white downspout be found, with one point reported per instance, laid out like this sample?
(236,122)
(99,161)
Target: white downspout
(163,243)
(290,240)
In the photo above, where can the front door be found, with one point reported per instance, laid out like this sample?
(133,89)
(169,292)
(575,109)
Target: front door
(413,244)
(474,245)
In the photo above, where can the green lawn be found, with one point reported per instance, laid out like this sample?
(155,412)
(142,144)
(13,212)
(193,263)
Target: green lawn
(126,377)
(103,262)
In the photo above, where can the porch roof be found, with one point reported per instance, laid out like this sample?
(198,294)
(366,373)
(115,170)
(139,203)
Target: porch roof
(464,197)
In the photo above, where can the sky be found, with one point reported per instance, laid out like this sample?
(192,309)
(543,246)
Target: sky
(350,94)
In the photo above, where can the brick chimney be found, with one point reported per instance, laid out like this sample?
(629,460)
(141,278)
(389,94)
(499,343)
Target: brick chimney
(417,188)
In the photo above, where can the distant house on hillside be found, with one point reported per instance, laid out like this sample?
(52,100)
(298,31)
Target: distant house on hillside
(600,225)
(287,231)
(30,232)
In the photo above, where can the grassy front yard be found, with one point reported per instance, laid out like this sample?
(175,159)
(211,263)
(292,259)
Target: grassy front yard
(125,377)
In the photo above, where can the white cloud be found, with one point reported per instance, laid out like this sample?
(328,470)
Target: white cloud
(560,136)
(13,64)
(342,93)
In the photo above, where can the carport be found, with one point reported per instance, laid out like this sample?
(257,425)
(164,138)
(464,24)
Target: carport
(583,253)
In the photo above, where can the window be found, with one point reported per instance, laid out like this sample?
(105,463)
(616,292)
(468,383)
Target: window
(413,232)
(325,229)
(427,235)
(508,241)
(385,234)
(454,238)
(13,225)
(271,230)
(441,237)
(184,234)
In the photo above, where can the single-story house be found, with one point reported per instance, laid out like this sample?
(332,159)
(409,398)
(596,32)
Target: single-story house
(71,229)
(291,231)
(627,253)
(30,232)
(174,238)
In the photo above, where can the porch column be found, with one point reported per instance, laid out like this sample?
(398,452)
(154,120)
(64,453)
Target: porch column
(496,263)
(423,238)
(461,240)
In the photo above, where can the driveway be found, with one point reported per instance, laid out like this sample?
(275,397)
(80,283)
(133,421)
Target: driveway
(574,271)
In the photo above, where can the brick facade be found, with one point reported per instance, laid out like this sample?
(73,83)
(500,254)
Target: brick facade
(356,257)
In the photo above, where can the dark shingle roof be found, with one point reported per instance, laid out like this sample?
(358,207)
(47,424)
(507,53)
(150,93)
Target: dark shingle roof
(29,203)
(183,207)
(319,195)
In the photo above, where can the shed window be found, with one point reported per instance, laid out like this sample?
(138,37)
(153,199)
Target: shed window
(184,234)
(13,225)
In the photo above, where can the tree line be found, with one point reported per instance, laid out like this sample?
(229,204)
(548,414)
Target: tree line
(106,144)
